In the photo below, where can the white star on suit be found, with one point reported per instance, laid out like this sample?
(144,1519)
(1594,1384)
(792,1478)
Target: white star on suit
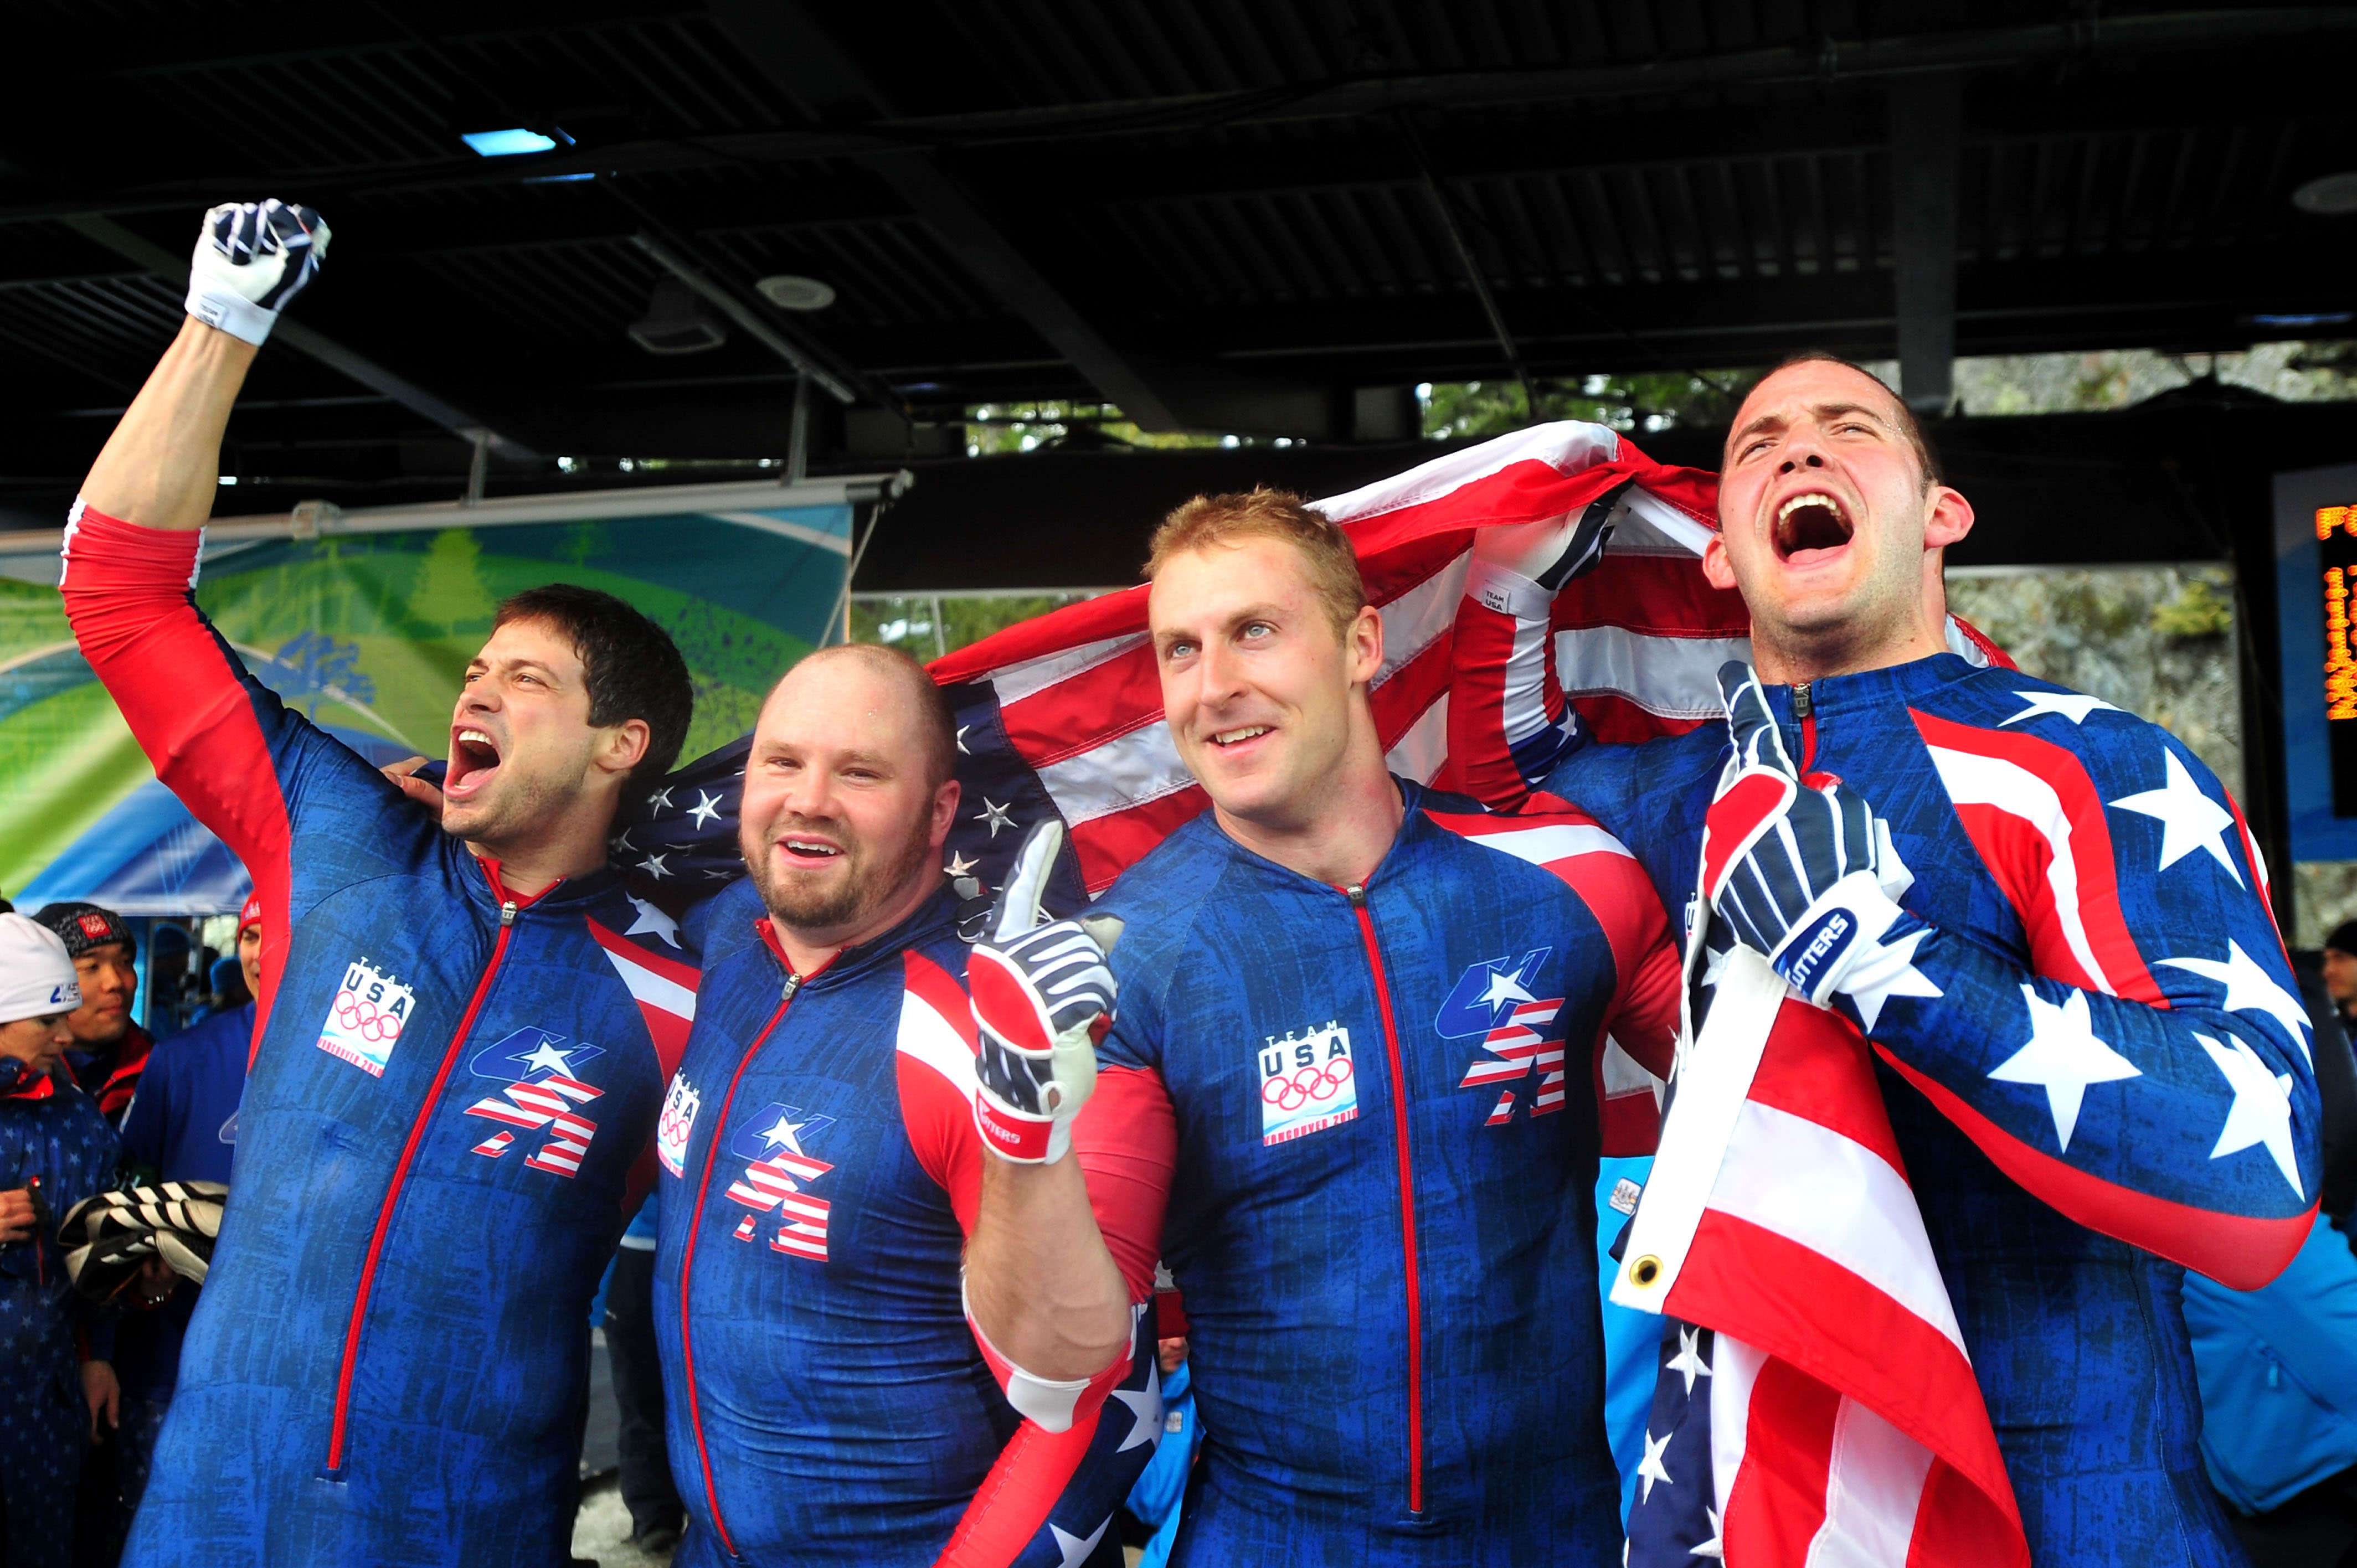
(1649,1468)
(1714,964)
(994,814)
(2261,1114)
(1076,1548)
(2188,819)
(1711,1548)
(1688,1362)
(783,1133)
(652,918)
(2062,1057)
(706,807)
(1881,972)
(959,865)
(653,866)
(1145,1409)
(546,1055)
(1505,987)
(2066,704)
(2250,989)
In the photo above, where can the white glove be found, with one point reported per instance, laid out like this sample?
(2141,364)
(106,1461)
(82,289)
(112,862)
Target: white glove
(1042,999)
(1554,551)
(251,259)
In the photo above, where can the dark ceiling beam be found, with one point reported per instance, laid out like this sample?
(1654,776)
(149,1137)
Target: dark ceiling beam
(1925,119)
(312,343)
(788,46)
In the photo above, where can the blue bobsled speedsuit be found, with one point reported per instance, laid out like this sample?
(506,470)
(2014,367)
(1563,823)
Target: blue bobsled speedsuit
(450,1086)
(49,1130)
(826,1399)
(1382,1212)
(2095,1061)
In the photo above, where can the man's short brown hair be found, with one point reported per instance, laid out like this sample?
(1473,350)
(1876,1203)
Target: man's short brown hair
(1209,522)
(1926,457)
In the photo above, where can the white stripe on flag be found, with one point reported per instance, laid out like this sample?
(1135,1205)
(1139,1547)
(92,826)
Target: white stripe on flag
(1420,752)
(1734,1369)
(659,992)
(1873,1486)
(1557,841)
(1645,513)
(1125,771)
(1566,445)
(1839,1199)
(1674,677)
(1421,617)
(1016,682)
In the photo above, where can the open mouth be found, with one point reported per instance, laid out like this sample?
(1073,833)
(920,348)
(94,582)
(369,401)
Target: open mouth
(474,759)
(803,851)
(1808,524)
(1240,735)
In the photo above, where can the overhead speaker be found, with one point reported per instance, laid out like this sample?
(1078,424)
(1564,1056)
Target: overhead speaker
(676,322)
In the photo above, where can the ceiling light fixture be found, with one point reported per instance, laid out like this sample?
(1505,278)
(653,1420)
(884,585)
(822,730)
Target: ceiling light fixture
(676,322)
(2329,196)
(512,141)
(791,291)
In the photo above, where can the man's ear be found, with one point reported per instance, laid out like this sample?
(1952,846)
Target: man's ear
(1716,567)
(1364,643)
(625,747)
(1950,519)
(945,804)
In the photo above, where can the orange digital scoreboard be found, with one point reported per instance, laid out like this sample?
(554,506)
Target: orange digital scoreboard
(2336,541)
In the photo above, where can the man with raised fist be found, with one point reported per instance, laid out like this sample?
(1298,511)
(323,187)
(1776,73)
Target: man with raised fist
(1376,1015)
(826,1399)
(453,1071)
(2044,913)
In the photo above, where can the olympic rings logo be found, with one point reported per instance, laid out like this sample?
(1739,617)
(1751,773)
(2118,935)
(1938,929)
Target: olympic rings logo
(361,1019)
(1291,1091)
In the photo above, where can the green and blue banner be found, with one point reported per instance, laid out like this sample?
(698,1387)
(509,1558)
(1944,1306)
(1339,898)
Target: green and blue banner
(367,628)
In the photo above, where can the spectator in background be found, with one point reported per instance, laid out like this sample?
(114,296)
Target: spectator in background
(109,1050)
(2341,971)
(181,1126)
(55,1151)
(656,1515)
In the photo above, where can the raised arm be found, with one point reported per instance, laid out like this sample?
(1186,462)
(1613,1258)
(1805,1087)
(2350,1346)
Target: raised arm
(2148,1074)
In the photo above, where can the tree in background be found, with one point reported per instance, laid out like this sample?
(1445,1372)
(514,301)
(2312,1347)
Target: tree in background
(449,591)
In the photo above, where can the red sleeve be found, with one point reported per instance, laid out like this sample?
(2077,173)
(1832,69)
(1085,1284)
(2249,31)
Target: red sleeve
(216,737)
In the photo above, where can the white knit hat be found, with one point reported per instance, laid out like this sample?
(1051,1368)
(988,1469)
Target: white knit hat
(37,977)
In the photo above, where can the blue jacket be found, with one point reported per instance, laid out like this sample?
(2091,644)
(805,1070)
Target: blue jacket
(182,1124)
(1383,1215)
(2279,1369)
(49,1128)
(450,1089)
(2077,872)
(826,1398)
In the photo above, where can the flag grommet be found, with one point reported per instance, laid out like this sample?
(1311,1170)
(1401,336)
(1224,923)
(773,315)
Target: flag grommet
(1645,1270)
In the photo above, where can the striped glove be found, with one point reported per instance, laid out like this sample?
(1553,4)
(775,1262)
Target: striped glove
(252,258)
(1042,999)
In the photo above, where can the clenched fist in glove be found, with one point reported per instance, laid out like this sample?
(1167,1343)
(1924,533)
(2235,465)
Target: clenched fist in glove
(1042,1000)
(1553,551)
(252,258)
(1801,869)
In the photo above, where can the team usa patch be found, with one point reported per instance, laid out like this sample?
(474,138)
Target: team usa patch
(1307,1083)
(542,1092)
(1496,1000)
(365,1020)
(676,1124)
(777,1172)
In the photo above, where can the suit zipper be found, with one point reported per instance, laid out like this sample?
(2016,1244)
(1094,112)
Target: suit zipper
(1805,708)
(687,1258)
(508,908)
(1357,894)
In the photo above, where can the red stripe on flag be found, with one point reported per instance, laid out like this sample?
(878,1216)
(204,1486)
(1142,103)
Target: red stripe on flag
(1777,1504)
(1107,845)
(1956,1523)
(2240,1251)
(1617,721)
(1658,595)
(1798,1305)
(1816,1068)
(1082,711)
